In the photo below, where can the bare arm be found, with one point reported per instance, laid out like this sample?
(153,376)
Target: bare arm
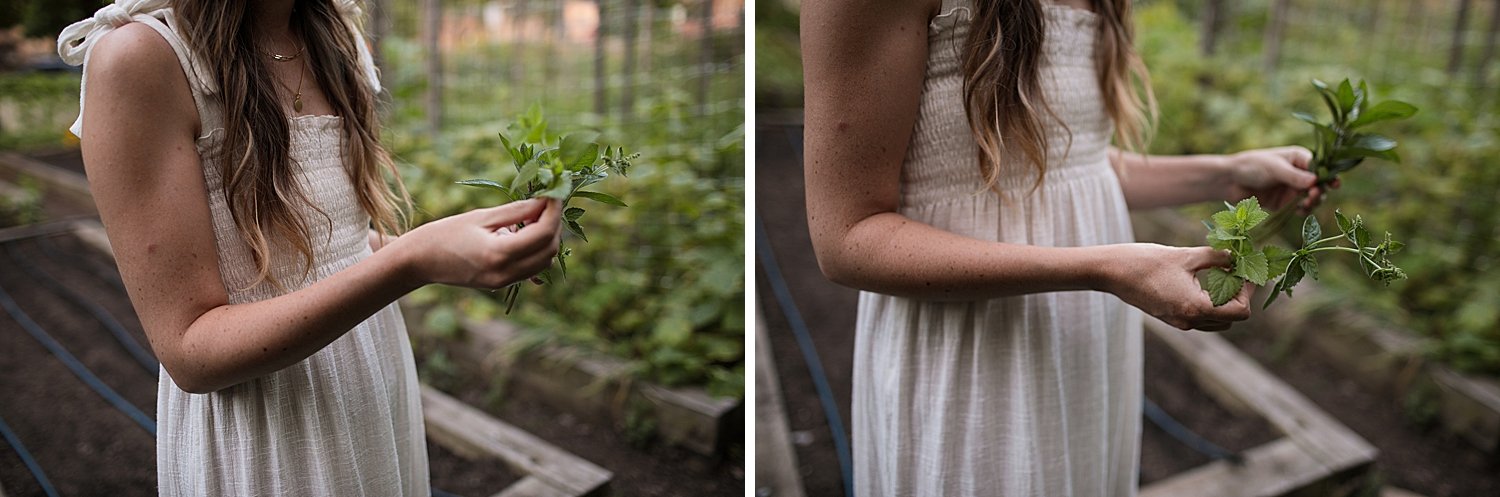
(864,68)
(139,152)
(1276,176)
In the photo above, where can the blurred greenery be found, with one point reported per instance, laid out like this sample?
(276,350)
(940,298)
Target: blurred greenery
(660,283)
(36,109)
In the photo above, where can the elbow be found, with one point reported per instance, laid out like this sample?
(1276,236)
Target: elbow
(833,265)
(192,383)
(193,378)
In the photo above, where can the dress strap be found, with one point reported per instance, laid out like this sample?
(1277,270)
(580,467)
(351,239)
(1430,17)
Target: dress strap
(76,43)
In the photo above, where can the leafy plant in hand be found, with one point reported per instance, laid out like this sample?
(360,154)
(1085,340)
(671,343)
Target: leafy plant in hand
(1230,230)
(558,169)
(1339,144)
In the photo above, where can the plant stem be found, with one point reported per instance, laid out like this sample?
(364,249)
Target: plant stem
(1325,249)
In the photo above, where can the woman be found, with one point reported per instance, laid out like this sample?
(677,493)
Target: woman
(233,151)
(959,171)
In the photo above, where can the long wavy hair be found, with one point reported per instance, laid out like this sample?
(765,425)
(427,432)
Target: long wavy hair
(260,184)
(1003,95)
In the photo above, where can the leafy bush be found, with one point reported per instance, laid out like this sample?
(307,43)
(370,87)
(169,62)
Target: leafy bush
(36,109)
(660,283)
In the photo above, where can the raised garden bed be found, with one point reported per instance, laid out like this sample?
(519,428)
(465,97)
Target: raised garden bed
(592,385)
(1375,354)
(1314,454)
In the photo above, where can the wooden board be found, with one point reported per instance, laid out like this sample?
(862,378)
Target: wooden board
(1316,456)
(595,385)
(472,433)
(69,184)
(532,486)
(775,459)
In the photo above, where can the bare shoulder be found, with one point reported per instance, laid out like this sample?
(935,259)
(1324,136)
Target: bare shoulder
(133,67)
(133,50)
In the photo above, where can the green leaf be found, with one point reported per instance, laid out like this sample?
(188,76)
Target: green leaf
(560,190)
(1372,142)
(1361,235)
(1226,220)
(1307,118)
(1222,286)
(1385,111)
(1252,267)
(1345,225)
(1276,261)
(1310,266)
(484,183)
(528,173)
(1294,273)
(1275,291)
(1222,240)
(576,229)
(1256,216)
(572,213)
(578,150)
(600,197)
(1346,98)
(515,154)
(1311,230)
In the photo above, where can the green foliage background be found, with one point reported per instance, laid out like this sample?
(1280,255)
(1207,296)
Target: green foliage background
(660,283)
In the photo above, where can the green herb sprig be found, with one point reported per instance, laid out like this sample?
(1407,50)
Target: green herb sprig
(1230,230)
(1338,144)
(559,169)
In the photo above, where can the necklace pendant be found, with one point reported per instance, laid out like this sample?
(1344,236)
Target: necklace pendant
(297,103)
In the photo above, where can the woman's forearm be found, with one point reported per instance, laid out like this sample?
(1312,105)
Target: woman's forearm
(892,254)
(1164,181)
(232,343)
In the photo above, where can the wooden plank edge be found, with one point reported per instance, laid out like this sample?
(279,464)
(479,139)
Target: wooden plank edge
(699,422)
(775,458)
(531,486)
(467,430)
(1217,361)
(1278,468)
(72,185)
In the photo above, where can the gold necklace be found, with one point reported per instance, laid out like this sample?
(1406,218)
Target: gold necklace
(296,95)
(286,58)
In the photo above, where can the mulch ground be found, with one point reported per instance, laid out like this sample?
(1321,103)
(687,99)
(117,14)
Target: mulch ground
(84,444)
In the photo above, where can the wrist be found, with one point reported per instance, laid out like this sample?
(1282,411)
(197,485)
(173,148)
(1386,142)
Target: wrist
(399,267)
(1225,175)
(1099,263)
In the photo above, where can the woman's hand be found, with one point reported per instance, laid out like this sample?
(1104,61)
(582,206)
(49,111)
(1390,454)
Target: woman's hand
(1160,281)
(482,248)
(1276,176)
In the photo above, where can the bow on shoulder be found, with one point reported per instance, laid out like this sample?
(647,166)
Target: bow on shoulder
(78,38)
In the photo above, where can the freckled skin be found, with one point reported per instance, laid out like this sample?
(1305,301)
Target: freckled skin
(145,175)
(864,64)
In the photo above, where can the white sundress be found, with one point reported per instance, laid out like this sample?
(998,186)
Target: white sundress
(346,421)
(1037,395)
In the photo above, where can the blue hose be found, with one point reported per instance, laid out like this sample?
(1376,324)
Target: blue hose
(809,353)
(146,360)
(30,462)
(78,369)
(1162,420)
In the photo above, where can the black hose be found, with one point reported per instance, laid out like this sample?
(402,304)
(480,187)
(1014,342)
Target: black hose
(30,462)
(78,369)
(1183,434)
(141,356)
